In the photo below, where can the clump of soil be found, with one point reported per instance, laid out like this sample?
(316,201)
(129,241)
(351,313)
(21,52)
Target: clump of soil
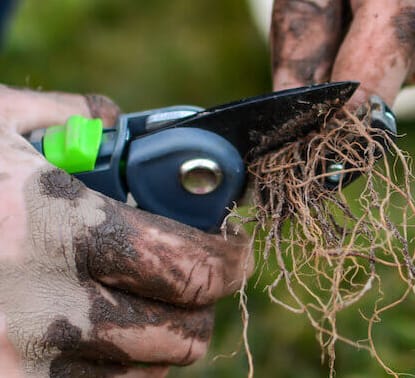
(331,250)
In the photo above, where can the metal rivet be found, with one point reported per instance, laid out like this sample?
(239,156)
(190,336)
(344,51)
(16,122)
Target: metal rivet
(200,176)
(335,167)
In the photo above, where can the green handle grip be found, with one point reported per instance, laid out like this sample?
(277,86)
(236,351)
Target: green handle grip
(74,147)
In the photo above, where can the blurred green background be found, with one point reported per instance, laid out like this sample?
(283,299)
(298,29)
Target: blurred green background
(148,54)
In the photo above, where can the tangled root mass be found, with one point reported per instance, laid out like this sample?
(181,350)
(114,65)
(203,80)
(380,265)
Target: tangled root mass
(332,250)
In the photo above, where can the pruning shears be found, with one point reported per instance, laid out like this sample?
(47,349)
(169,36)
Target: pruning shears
(187,163)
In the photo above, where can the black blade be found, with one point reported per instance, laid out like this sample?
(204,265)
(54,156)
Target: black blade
(261,123)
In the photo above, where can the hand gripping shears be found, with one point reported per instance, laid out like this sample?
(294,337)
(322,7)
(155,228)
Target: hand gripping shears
(187,163)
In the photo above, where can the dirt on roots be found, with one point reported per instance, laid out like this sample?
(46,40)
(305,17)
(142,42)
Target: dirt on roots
(331,250)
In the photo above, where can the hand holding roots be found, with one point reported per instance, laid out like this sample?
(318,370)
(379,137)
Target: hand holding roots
(331,250)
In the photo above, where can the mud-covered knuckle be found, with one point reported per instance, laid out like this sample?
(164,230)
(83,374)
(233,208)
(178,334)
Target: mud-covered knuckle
(204,283)
(108,249)
(220,271)
(63,335)
(57,184)
(195,331)
(102,107)
(88,247)
(169,329)
(194,352)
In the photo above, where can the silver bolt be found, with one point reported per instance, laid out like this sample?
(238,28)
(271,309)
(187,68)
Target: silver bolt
(200,176)
(333,168)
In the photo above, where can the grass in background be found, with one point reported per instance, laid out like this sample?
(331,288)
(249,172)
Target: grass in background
(142,54)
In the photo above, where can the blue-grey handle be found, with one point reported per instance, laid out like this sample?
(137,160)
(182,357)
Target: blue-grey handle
(155,175)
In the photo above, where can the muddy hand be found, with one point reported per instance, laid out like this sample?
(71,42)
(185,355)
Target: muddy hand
(370,41)
(90,286)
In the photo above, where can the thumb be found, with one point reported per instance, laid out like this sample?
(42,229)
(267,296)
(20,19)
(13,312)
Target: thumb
(9,361)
